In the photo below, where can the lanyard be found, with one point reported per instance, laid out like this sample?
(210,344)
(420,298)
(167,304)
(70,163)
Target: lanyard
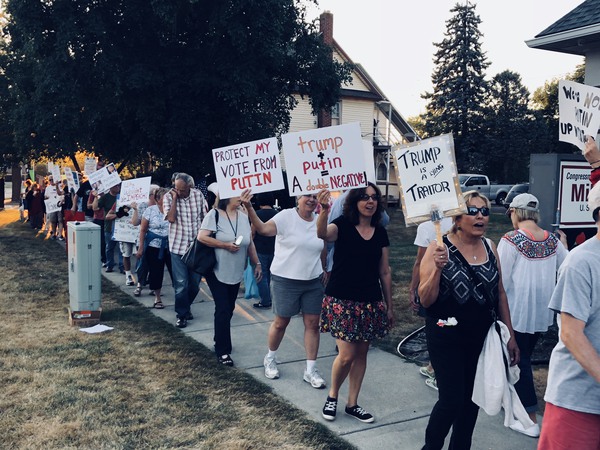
(231,224)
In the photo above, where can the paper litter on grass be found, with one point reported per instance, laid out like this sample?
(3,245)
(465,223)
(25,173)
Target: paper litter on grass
(96,329)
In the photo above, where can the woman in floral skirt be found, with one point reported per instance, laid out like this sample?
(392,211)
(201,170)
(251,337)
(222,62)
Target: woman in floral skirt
(357,307)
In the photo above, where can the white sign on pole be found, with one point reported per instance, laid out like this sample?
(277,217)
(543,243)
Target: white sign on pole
(70,180)
(135,190)
(428,179)
(54,170)
(574,186)
(579,112)
(253,165)
(124,231)
(324,158)
(90,165)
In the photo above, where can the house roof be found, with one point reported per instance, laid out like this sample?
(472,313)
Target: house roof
(375,94)
(577,33)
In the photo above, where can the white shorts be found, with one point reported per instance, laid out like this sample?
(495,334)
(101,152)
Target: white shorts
(126,249)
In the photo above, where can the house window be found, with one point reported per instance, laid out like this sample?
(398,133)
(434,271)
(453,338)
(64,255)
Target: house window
(381,171)
(336,111)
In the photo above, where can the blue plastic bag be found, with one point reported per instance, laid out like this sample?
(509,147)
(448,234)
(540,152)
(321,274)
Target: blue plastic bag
(250,283)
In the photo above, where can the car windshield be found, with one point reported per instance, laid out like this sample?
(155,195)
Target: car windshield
(462,178)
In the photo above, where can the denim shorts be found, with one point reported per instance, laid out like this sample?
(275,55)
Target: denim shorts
(292,296)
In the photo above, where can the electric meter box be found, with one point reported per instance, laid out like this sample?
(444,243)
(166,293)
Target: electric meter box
(84,266)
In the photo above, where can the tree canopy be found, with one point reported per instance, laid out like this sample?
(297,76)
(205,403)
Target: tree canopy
(167,78)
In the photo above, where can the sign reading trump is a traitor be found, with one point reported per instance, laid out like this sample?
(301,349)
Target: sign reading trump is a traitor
(579,112)
(428,179)
(324,158)
(253,165)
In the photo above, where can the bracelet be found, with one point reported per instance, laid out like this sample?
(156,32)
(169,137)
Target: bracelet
(258,264)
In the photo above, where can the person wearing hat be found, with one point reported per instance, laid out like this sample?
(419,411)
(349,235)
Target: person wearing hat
(530,257)
(572,415)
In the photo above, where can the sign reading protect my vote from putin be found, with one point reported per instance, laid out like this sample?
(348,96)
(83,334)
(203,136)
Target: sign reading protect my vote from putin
(579,112)
(253,165)
(428,179)
(324,158)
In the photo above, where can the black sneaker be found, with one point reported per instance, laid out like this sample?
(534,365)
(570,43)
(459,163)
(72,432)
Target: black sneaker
(181,323)
(260,305)
(225,360)
(189,316)
(109,270)
(360,414)
(330,408)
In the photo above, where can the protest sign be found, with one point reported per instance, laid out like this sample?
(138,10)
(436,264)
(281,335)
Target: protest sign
(134,190)
(574,186)
(579,112)
(52,200)
(324,158)
(427,178)
(253,165)
(72,179)
(124,231)
(54,170)
(369,160)
(90,165)
(105,178)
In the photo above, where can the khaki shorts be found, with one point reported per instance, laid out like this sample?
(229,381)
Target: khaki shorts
(126,249)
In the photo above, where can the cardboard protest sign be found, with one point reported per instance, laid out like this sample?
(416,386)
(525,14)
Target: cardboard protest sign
(52,200)
(124,231)
(54,170)
(253,165)
(324,158)
(579,112)
(574,186)
(134,190)
(105,178)
(90,165)
(72,178)
(427,178)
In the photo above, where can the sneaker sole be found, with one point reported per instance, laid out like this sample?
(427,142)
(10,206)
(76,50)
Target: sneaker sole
(321,386)
(326,417)
(371,420)
(274,377)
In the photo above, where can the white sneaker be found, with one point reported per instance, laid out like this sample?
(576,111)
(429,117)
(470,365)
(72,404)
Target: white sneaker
(532,431)
(129,281)
(314,378)
(271,370)
(432,383)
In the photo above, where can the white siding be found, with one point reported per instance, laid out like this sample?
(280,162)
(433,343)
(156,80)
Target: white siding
(356,83)
(355,110)
(302,117)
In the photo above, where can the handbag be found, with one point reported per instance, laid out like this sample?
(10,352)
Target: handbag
(201,258)
(250,285)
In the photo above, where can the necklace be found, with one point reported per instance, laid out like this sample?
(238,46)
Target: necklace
(473,247)
(231,224)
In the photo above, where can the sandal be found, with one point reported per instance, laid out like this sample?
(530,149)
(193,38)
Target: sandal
(138,291)
(158,305)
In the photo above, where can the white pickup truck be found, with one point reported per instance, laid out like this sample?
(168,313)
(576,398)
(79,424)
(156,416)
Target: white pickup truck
(474,181)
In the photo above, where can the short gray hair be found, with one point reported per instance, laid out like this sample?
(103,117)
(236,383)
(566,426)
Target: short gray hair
(187,179)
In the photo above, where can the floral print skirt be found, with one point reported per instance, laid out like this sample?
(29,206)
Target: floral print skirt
(353,321)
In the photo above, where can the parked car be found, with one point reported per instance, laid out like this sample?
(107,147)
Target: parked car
(474,181)
(516,190)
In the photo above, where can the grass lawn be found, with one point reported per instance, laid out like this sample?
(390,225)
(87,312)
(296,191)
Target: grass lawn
(143,385)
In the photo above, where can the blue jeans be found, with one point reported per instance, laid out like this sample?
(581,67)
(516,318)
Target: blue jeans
(525,387)
(186,284)
(264,285)
(110,251)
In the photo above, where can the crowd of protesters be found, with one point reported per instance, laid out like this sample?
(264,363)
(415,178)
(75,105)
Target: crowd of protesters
(458,284)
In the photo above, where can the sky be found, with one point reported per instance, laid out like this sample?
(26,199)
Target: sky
(393,40)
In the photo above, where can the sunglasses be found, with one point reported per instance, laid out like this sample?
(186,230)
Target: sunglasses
(366,197)
(473,210)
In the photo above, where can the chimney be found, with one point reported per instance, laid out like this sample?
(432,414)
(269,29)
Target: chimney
(326,27)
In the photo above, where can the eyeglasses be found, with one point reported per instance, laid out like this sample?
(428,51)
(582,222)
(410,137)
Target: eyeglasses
(309,196)
(366,197)
(473,210)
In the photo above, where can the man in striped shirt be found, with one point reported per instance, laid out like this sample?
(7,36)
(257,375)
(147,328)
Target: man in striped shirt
(184,208)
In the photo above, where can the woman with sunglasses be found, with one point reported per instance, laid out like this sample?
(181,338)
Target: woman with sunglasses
(297,278)
(459,314)
(531,257)
(357,307)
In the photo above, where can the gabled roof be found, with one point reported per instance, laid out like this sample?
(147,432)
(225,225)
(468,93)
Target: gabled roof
(577,33)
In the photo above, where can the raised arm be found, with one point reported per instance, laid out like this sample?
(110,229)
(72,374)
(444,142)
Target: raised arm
(266,229)
(430,273)
(326,232)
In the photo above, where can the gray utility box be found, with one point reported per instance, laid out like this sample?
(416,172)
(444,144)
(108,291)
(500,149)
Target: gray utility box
(84,266)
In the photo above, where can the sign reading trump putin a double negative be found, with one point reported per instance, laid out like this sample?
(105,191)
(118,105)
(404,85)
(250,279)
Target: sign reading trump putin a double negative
(253,165)
(324,158)
(428,179)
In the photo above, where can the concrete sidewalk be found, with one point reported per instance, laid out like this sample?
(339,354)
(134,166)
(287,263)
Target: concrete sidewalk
(393,390)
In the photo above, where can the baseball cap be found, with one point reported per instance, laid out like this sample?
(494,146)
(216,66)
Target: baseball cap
(525,201)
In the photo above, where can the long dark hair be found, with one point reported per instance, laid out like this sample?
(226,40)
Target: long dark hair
(351,208)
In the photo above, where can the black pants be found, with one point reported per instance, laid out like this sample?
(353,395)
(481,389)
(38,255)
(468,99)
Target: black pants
(156,266)
(102,239)
(454,352)
(224,296)
(525,387)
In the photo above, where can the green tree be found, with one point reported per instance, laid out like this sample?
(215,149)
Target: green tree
(167,78)
(456,103)
(545,105)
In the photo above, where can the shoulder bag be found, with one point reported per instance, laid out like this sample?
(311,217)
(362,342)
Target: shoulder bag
(199,257)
